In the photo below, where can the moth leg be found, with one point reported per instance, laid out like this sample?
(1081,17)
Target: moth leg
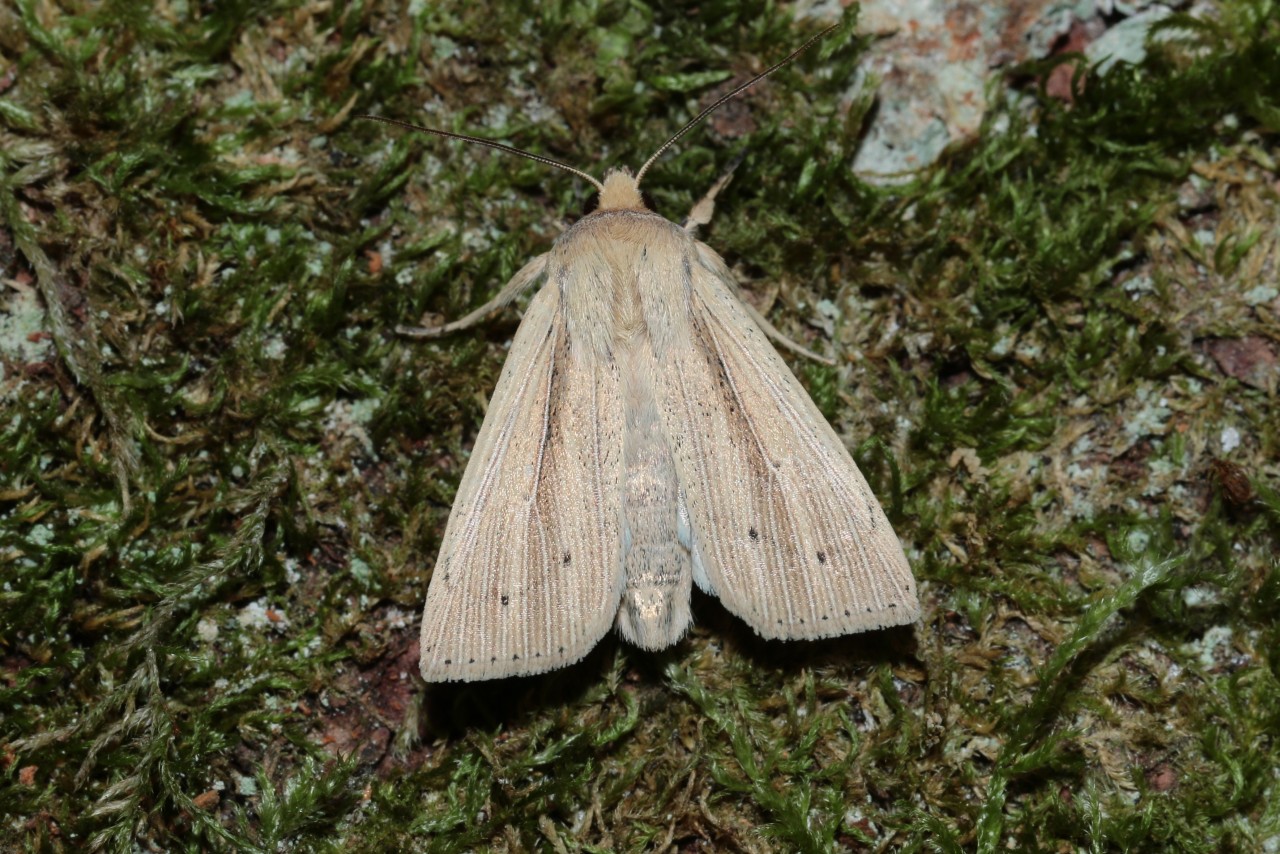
(524,277)
(701,213)
(782,340)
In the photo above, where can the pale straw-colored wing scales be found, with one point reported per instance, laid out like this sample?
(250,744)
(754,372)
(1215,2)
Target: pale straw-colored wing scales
(785,530)
(529,576)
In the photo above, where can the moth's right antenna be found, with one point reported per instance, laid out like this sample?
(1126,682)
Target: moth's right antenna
(735,93)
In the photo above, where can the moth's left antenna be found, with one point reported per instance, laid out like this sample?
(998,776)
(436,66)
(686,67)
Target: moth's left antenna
(489,143)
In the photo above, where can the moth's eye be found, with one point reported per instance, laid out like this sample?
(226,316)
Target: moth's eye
(648,200)
(590,205)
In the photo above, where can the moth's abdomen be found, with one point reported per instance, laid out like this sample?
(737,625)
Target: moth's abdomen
(657,567)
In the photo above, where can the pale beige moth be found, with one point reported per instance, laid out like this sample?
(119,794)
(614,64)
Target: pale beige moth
(645,436)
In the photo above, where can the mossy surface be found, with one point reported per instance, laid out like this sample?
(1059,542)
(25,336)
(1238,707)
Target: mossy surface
(223,477)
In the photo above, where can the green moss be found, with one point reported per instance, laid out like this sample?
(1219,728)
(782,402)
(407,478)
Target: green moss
(225,478)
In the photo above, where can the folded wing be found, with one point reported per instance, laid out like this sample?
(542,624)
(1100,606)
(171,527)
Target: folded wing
(784,529)
(529,575)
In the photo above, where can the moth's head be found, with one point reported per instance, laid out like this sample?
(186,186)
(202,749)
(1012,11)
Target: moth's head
(620,191)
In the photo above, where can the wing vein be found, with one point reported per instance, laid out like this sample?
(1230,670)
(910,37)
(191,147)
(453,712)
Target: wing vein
(815,450)
(769,467)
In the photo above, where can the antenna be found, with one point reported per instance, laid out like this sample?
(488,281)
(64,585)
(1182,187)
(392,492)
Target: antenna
(488,143)
(735,93)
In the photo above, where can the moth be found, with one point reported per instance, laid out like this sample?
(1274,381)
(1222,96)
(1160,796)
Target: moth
(645,436)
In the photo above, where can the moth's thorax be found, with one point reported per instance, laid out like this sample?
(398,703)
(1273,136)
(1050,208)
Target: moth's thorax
(618,235)
(604,265)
